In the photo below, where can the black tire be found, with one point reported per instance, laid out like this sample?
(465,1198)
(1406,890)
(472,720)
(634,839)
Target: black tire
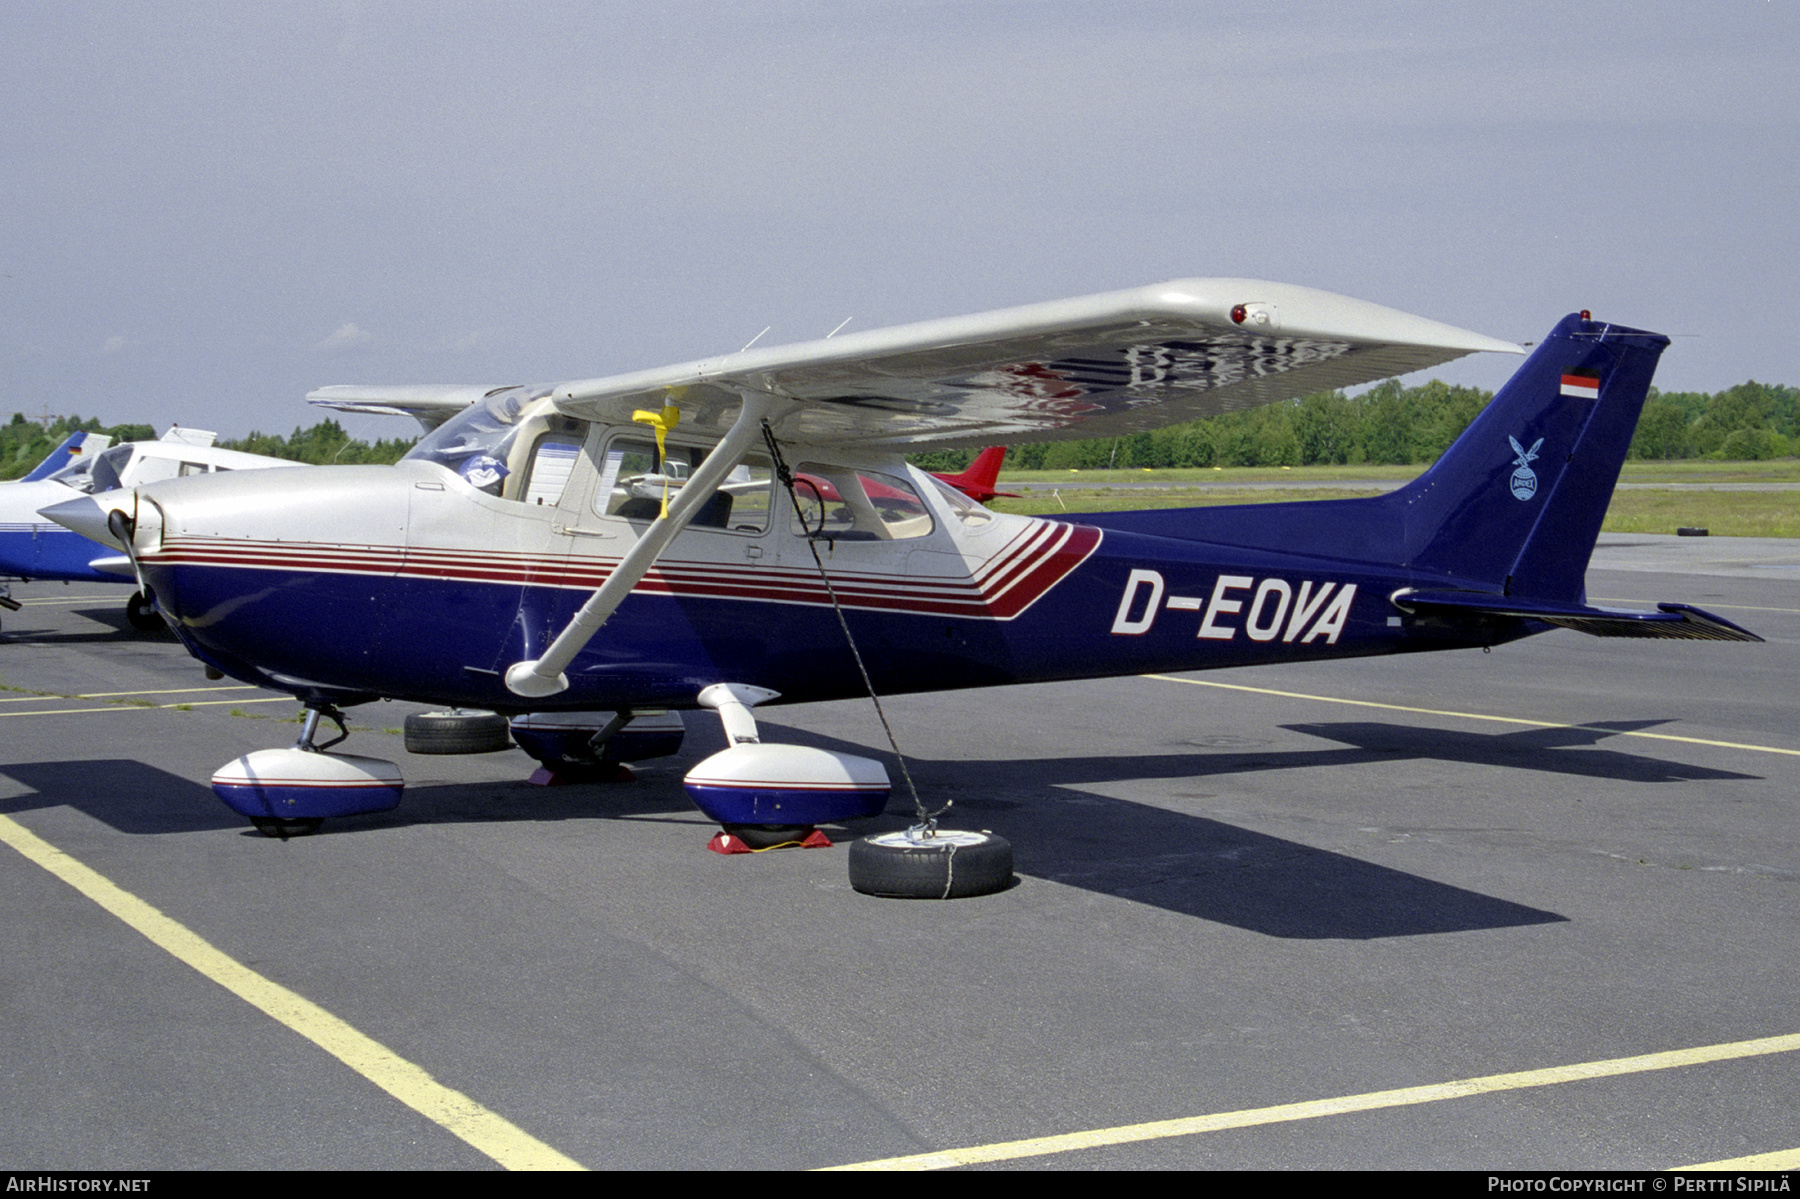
(456,733)
(284,827)
(768,836)
(952,865)
(142,614)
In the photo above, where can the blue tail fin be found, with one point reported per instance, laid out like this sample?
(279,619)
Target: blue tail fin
(58,458)
(1516,503)
(1512,508)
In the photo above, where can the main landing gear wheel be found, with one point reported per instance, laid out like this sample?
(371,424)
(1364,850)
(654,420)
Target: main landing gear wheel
(768,836)
(456,733)
(285,827)
(757,837)
(950,864)
(141,612)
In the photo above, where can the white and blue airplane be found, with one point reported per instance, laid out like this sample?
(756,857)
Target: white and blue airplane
(32,547)
(745,530)
(74,446)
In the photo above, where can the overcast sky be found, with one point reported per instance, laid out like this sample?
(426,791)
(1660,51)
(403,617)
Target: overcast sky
(207,210)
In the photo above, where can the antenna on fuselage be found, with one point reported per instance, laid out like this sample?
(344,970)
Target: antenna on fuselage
(840,327)
(757,338)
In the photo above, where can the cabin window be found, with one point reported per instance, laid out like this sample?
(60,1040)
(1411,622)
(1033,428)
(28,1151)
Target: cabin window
(148,469)
(971,514)
(552,461)
(633,484)
(857,505)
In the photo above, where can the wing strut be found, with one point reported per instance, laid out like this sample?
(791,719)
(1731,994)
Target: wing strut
(544,676)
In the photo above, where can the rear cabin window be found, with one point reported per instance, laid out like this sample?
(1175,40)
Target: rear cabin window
(857,505)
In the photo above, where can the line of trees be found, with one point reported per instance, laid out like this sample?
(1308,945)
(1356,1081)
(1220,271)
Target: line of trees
(325,442)
(24,443)
(1745,423)
(1387,423)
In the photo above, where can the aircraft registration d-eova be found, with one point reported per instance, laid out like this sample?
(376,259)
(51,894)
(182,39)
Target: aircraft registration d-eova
(34,548)
(744,530)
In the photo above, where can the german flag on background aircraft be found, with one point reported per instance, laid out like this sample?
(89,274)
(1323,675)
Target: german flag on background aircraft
(1583,385)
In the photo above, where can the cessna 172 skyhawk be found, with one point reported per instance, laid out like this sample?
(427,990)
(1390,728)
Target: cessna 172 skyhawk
(631,544)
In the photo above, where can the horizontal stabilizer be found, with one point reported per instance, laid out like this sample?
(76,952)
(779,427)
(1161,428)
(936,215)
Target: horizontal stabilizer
(1681,622)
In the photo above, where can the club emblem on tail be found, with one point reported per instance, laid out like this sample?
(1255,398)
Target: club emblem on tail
(1524,480)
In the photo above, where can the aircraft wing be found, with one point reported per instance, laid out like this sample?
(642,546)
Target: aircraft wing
(431,404)
(1096,366)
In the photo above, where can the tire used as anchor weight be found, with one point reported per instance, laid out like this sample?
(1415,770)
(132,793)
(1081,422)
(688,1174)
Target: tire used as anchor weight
(456,733)
(952,865)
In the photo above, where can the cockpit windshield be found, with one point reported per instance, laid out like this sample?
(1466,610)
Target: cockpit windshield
(476,442)
(100,473)
(78,474)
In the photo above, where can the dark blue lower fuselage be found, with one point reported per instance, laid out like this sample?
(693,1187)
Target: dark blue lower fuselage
(449,641)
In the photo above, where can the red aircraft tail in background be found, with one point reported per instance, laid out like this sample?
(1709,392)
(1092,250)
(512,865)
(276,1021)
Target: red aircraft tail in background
(978,481)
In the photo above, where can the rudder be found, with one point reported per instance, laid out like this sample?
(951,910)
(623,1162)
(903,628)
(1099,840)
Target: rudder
(1517,501)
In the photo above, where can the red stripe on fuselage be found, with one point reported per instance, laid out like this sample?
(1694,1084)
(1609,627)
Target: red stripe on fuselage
(1000,588)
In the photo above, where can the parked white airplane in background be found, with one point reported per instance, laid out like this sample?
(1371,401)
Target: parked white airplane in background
(32,547)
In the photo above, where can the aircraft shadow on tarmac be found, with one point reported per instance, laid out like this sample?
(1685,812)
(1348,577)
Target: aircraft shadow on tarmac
(128,795)
(1177,861)
(111,628)
(1219,872)
(1539,749)
(143,800)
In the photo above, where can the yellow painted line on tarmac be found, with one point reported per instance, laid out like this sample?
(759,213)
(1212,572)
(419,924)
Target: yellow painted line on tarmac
(162,691)
(219,703)
(1536,724)
(1313,1109)
(493,1135)
(72,712)
(192,703)
(1786,1159)
(26,699)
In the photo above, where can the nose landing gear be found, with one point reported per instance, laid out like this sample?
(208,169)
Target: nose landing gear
(140,611)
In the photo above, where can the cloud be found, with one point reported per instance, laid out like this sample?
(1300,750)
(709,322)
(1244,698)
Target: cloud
(347,336)
(475,341)
(114,345)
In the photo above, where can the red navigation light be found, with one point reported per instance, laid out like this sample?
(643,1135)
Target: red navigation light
(1586,315)
(1238,313)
